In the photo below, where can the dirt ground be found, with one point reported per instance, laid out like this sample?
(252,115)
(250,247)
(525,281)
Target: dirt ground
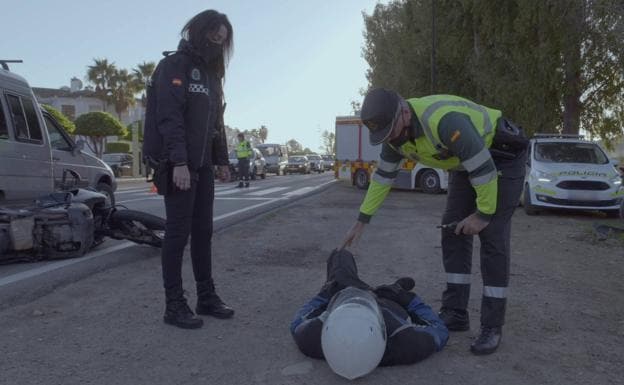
(565,319)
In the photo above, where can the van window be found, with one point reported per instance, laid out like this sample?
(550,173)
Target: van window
(4,129)
(58,141)
(25,120)
(33,122)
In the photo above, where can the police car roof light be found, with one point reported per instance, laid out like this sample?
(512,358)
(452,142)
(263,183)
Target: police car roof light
(4,62)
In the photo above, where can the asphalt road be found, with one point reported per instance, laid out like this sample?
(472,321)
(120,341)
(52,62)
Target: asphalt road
(22,282)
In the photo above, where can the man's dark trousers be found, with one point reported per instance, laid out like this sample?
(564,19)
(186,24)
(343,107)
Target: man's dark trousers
(243,169)
(495,241)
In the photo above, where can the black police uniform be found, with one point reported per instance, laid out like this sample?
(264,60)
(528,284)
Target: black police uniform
(184,126)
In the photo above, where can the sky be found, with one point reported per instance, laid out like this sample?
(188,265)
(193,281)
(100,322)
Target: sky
(297,64)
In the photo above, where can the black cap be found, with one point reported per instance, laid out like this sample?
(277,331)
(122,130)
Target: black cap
(379,111)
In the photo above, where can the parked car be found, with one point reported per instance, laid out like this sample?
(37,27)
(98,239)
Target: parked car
(329,162)
(120,163)
(316,163)
(276,156)
(36,149)
(298,164)
(257,165)
(568,172)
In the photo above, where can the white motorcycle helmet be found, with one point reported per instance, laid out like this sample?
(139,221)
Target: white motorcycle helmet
(354,333)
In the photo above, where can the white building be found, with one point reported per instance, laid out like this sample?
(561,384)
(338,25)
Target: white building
(74,101)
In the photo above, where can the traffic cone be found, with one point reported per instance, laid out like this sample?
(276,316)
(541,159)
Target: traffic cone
(154,189)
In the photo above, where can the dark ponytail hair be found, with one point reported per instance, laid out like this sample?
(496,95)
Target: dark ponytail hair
(209,21)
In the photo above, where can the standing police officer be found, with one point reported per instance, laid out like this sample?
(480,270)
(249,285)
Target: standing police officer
(486,156)
(243,153)
(185,138)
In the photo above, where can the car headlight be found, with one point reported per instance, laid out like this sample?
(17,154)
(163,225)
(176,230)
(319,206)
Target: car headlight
(617,180)
(544,177)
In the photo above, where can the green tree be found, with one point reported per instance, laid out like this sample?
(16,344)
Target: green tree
(97,126)
(549,65)
(101,74)
(123,89)
(142,73)
(294,147)
(329,142)
(67,124)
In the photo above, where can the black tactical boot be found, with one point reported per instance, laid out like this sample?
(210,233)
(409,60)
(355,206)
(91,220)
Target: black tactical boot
(488,340)
(246,184)
(240,184)
(179,314)
(456,320)
(209,303)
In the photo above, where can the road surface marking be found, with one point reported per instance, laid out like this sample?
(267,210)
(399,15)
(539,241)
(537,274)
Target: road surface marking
(226,215)
(57,265)
(235,190)
(146,198)
(268,191)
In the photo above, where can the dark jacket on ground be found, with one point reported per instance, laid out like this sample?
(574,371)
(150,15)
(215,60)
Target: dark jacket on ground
(184,114)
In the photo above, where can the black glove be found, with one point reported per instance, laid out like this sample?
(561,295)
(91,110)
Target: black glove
(398,292)
(330,289)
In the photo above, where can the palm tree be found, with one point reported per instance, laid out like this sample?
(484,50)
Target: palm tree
(100,74)
(142,73)
(123,87)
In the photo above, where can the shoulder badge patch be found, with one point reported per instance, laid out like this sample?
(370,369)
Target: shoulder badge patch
(176,82)
(455,136)
(195,74)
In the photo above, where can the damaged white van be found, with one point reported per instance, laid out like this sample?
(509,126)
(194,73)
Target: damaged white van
(568,172)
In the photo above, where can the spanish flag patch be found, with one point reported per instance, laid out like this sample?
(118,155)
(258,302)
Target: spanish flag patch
(176,82)
(455,136)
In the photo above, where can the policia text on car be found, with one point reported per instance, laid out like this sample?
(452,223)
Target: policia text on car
(485,155)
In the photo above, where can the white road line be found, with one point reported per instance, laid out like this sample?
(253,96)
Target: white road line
(146,189)
(242,198)
(300,191)
(57,265)
(147,198)
(234,190)
(226,215)
(267,191)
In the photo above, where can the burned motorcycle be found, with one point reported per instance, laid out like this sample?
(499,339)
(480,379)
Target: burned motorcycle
(68,224)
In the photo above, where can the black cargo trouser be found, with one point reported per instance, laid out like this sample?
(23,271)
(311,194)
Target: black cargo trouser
(495,241)
(243,169)
(189,213)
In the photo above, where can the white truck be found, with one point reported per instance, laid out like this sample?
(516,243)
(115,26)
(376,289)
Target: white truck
(356,160)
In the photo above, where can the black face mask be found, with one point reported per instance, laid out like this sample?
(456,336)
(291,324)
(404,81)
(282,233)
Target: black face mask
(211,51)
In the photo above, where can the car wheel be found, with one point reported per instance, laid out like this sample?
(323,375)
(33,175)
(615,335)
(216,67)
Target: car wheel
(107,190)
(429,182)
(263,175)
(529,209)
(360,179)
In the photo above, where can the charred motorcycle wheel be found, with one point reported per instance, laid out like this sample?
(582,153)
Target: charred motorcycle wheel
(138,227)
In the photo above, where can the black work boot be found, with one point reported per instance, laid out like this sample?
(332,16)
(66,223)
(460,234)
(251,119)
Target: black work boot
(246,184)
(456,320)
(178,313)
(240,184)
(209,303)
(488,340)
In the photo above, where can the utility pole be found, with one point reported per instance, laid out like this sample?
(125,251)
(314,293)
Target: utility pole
(433,48)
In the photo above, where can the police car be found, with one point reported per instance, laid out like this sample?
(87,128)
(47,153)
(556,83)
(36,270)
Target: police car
(568,172)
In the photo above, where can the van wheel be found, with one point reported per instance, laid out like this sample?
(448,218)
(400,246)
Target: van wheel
(529,209)
(106,189)
(263,175)
(430,182)
(360,178)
